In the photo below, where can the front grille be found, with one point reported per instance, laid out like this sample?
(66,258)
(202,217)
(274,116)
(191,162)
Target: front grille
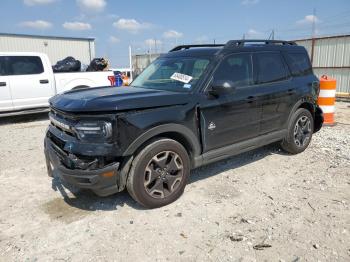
(62,121)
(57,141)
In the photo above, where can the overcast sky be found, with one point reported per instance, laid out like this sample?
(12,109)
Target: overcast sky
(158,25)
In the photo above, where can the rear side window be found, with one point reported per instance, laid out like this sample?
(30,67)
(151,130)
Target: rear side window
(299,63)
(25,65)
(2,66)
(270,68)
(236,68)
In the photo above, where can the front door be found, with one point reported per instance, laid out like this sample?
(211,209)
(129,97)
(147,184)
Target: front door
(31,86)
(5,94)
(235,117)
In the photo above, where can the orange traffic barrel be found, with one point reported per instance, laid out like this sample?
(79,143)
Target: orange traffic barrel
(326,98)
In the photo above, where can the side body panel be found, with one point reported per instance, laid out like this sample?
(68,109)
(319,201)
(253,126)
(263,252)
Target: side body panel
(5,94)
(68,81)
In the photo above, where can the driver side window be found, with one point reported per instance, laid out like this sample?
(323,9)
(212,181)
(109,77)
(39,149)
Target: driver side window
(236,68)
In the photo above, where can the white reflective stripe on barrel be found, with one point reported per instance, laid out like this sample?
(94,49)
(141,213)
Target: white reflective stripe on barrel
(327,109)
(327,93)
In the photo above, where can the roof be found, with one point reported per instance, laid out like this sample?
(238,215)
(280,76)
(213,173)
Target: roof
(49,37)
(22,54)
(198,51)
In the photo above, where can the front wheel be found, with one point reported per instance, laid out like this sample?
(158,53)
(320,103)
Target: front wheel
(300,130)
(159,173)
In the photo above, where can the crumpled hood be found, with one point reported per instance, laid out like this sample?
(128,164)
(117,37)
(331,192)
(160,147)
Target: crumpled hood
(115,99)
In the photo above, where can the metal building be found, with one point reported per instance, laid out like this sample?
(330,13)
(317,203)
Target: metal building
(331,56)
(140,62)
(56,48)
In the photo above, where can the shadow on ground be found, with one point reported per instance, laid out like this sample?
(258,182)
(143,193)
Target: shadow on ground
(23,118)
(86,200)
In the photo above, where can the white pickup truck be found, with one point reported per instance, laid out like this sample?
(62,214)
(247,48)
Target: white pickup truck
(27,82)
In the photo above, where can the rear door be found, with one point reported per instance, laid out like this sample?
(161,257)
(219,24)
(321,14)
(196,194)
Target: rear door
(30,84)
(275,90)
(5,93)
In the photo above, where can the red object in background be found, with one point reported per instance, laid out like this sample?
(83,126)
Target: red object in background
(112,80)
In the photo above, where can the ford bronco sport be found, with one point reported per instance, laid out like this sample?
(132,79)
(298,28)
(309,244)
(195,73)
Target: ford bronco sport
(194,105)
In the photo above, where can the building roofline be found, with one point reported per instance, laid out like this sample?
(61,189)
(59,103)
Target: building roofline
(323,37)
(49,37)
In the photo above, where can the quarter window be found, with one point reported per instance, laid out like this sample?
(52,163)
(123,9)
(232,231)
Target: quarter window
(299,63)
(25,65)
(270,68)
(236,68)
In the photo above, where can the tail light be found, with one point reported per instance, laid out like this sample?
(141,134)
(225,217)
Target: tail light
(112,80)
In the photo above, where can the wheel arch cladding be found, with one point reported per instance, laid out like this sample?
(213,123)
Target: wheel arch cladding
(316,113)
(177,132)
(302,103)
(308,106)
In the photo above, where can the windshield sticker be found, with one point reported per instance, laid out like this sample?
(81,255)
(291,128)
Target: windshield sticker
(181,77)
(187,85)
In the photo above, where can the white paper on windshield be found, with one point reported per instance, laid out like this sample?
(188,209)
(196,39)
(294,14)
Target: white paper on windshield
(181,77)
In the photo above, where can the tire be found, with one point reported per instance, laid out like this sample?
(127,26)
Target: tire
(300,130)
(159,173)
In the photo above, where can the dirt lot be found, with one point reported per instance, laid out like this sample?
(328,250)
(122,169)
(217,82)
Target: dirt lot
(263,205)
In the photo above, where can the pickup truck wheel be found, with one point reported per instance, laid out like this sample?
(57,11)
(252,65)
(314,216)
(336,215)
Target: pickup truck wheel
(300,130)
(159,173)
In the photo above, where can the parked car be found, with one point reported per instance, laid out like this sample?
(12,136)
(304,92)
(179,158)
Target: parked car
(193,106)
(27,82)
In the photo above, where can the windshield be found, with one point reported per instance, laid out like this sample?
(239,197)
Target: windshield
(174,74)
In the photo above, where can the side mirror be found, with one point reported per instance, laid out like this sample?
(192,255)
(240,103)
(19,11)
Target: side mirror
(222,87)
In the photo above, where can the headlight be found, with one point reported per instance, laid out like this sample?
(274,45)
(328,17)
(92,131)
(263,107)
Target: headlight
(94,130)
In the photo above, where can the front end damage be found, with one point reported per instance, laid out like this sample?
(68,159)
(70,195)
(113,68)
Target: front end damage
(82,164)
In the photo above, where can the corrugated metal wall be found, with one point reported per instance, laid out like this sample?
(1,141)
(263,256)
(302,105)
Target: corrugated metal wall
(55,48)
(140,62)
(331,56)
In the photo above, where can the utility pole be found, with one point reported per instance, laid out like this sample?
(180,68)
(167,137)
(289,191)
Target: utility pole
(130,62)
(314,23)
(313,35)
(214,41)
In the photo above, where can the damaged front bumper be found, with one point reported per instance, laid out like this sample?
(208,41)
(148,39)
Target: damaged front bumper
(81,173)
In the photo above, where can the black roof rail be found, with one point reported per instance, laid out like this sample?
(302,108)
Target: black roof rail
(181,47)
(237,43)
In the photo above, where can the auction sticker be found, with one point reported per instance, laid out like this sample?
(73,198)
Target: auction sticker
(181,77)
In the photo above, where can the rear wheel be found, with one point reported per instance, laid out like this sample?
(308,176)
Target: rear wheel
(159,173)
(300,130)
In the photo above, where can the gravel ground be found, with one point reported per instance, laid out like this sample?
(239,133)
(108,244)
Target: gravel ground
(263,205)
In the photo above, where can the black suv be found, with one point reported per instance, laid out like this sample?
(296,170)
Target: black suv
(194,105)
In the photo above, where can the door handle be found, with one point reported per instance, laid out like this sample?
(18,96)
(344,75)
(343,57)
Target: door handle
(2,83)
(44,81)
(251,99)
(291,91)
